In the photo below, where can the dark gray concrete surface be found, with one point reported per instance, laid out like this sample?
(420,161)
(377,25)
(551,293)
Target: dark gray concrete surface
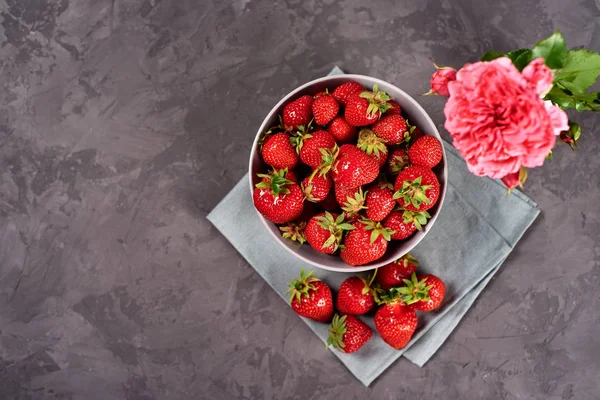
(124,122)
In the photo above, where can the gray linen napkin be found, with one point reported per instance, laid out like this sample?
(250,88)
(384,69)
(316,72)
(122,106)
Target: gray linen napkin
(476,230)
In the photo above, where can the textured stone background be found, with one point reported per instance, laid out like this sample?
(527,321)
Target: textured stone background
(123,122)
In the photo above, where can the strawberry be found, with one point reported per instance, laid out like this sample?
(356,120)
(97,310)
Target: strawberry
(366,243)
(426,152)
(392,274)
(316,187)
(417,189)
(311,298)
(354,201)
(380,201)
(396,322)
(325,108)
(346,90)
(324,232)
(424,293)
(373,146)
(342,131)
(405,223)
(348,333)
(294,231)
(397,161)
(414,133)
(309,146)
(394,108)
(278,199)
(365,108)
(356,296)
(297,113)
(291,176)
(352,167)
(330,203)
(278,152)
(391,128)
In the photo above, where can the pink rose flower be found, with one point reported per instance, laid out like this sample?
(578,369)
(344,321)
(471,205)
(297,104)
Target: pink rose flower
(539,76)
(440,80)
(558,118)
(497,120)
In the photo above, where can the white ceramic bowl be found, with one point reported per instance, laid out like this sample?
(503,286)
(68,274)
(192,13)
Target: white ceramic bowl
(416,116)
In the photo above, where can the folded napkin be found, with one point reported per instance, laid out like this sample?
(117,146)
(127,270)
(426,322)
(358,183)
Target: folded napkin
(477,228)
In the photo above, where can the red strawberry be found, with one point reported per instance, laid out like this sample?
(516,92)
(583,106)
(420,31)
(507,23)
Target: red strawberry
(345,90)
(316,187)
(355,296)
(348,333)
(392,274)
(311,298)
(396,323)
(309,146)
(353,167)
(365,108)
(278,199)
(324,232)
(417,188)
(330,203)
(397,161)
(278,152)
(373,146)
(391,128)
(342,131)
(366,243)
(394,108)
(325,108)
(352,201)
(426,152)
(294,231)
(380,201)
(414,133)
(297,113)
(424,293)
(289,175)
(405,223)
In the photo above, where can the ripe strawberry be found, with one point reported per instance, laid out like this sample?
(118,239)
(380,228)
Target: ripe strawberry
(424,293)
(356,296)
(417,189)
(324,232)
(325,108)
(342,131)
(426,152)
(394,108)
(397,161)
(348,333)
(278,152)
(353,167)
(391,128)
(297,113)
(352,201)
(373,146)
(316,187)
(366,243)
(346,90)
(380,201)
(392,274)
(396,323)
(311,298)
(278,199)
(309,146)
(291,176)
(405,223)
(365,108)
(294,231)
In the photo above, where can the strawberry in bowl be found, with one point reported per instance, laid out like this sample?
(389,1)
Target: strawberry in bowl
(341,179)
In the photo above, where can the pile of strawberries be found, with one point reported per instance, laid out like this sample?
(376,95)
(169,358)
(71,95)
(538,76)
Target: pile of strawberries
(395,288)
(349,173)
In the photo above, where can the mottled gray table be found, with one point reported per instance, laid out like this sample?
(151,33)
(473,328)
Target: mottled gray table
(123,123)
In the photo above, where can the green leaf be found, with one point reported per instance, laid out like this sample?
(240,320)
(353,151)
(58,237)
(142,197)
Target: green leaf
(553,50)
(491,55)
(580,72)
(520,58)
(574,130)
(565,99)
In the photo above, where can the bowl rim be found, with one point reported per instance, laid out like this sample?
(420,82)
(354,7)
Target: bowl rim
(285,99)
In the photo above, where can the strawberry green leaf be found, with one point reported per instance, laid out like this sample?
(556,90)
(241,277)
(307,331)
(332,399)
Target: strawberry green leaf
(553,50)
